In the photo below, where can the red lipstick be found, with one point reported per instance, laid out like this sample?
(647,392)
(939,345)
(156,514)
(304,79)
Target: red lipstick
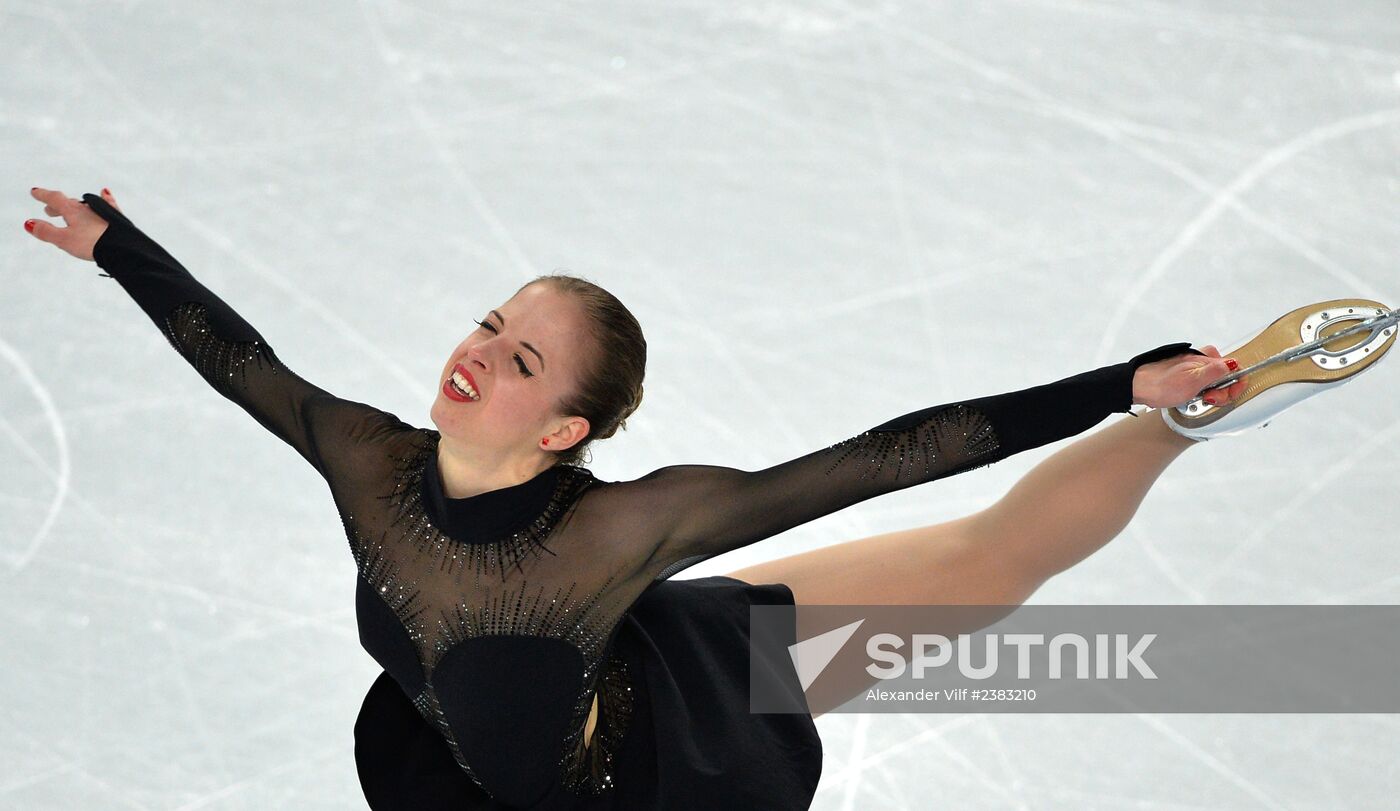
(450,390)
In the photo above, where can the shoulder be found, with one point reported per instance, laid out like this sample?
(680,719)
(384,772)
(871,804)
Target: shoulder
(635,508)
(362,444)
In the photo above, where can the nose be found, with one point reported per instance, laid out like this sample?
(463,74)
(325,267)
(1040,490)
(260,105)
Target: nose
(478,354)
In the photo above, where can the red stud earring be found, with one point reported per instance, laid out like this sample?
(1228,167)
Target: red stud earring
(546,442)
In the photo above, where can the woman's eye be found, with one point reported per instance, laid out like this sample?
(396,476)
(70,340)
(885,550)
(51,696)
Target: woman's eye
(524,370)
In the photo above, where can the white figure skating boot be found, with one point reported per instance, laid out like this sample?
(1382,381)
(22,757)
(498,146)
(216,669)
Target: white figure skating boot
(1309,350)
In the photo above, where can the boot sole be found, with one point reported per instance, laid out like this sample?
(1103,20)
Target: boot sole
(1287,331)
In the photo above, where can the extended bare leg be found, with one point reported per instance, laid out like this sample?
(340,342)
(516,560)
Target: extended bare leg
(1068,506)
(1061,511)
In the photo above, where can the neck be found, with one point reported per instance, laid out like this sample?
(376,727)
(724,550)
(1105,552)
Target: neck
(465,474)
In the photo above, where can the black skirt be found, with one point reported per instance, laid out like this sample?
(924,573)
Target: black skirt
(691,743)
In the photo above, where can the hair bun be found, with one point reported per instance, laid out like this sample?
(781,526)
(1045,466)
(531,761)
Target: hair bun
(610,385)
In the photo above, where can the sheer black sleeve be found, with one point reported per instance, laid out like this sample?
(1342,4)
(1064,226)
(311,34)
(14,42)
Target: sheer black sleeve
(228,352)
(701,510)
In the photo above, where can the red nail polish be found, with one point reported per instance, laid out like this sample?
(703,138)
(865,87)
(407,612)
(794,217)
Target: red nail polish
(1232,364)
(106,191)
(29,225)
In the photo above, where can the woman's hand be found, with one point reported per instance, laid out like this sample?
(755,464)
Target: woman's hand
(85,226)
(1175,381)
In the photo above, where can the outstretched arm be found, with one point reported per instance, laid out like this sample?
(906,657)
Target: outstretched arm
(700,510)
(222,347)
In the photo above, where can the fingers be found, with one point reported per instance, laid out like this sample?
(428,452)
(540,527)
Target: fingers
(43,195)
(54,201)
(58,204)
(1234,390)
(47,232)
(1214,369)
(79,221)
(1218,369)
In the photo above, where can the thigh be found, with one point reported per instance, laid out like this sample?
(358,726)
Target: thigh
(952,563)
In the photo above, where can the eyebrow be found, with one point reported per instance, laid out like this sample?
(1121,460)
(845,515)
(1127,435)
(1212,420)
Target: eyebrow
(522,343)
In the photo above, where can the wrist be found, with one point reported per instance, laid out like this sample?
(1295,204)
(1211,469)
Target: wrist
(1143,387)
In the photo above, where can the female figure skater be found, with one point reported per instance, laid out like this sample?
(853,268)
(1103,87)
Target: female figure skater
(535,653)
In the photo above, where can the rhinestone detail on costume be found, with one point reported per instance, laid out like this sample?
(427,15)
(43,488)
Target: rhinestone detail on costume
(497,556)
(960,433)
(594,775)
(561,615)
(427,705)
(217,360)
(512,610)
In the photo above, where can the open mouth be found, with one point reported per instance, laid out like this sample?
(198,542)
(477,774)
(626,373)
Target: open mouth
(458,386)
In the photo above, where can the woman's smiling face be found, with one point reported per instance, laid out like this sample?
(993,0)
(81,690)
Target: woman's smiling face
(523,359)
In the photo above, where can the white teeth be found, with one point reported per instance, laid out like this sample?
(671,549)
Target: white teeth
(463,386)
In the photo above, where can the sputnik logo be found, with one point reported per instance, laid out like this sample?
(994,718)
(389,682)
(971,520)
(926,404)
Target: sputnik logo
(811,656)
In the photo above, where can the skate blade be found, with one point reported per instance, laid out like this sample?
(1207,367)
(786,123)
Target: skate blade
(1297,327)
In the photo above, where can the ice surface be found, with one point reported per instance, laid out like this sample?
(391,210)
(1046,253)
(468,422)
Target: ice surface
(824,214)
